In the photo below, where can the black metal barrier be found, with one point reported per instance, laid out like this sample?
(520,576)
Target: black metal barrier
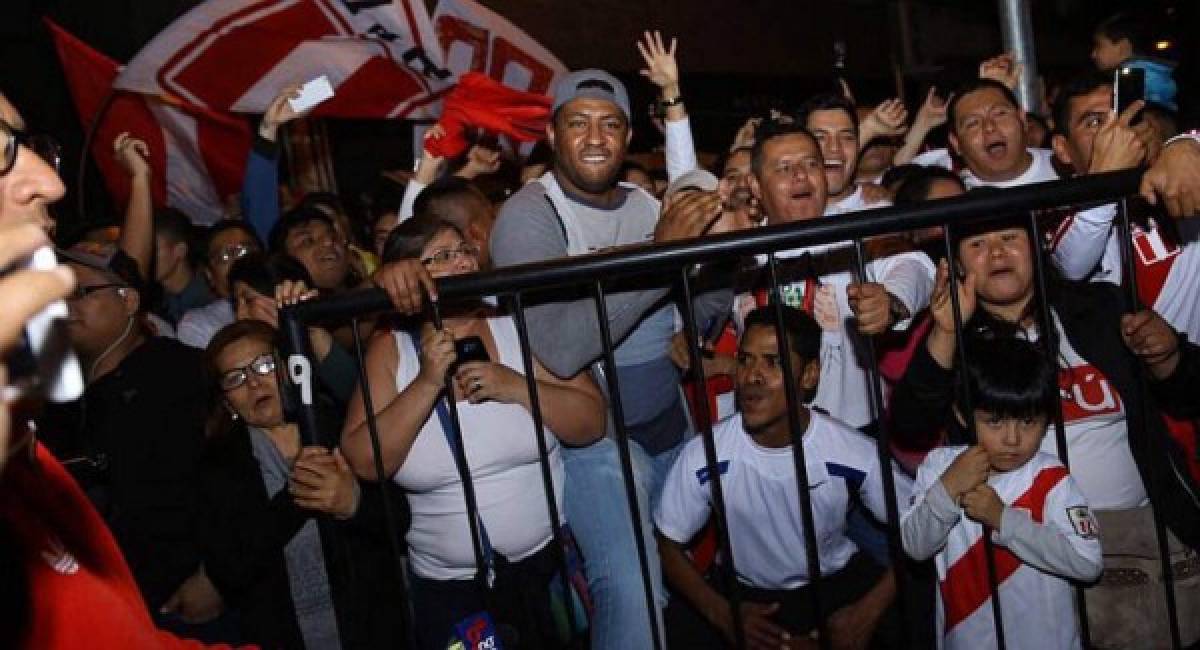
(672,263)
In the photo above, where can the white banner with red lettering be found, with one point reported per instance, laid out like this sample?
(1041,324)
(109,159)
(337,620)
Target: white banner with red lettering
(381,56)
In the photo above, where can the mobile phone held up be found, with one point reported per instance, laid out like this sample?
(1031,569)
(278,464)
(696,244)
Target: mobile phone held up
(1129,85)
(43,364)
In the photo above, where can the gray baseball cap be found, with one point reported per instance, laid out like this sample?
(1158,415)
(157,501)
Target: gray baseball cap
(592,84)
(697,179)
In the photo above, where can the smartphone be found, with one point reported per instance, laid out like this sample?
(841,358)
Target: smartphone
(312,93)
(44,363)
(470,349)
(1129,85)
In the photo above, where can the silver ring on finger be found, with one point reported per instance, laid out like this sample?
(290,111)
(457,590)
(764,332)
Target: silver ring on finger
(476,385)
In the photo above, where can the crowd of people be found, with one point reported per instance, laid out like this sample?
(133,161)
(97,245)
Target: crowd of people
(1034,449)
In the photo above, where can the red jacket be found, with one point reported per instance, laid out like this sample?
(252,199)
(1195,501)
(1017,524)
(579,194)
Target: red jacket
(81,593)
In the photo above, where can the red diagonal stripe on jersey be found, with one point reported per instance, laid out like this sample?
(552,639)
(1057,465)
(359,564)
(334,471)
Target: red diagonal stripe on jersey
(965,588)
(238,59)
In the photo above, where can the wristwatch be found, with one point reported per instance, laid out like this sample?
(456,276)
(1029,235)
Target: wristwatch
(897,310)
(674,101)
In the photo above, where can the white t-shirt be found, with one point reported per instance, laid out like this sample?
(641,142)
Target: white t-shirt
(1040,169)
(1046,531)
(502,454)
(762,503)
(853,203)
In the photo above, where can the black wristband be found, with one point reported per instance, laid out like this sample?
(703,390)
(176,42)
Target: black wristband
(674,101)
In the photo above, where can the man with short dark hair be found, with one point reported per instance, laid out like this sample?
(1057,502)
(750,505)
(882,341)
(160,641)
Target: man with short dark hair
(310,236)
(833,121)
(458,201)
(139,429)
(578,208)
(183,288)
(1167,256)
(758,478)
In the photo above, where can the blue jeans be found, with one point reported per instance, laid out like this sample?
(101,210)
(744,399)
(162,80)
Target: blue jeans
(598,510)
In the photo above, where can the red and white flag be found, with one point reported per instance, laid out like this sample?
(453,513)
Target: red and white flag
(381,56)
(477,39)
(198,157)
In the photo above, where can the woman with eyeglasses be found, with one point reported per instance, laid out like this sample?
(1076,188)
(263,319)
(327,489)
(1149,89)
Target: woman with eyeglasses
(1117,442)
(408,373)
(293,543)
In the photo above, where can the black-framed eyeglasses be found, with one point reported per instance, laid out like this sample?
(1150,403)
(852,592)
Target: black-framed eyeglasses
(12,139)
(262,365)
(232,253)
(448,254)
(81,292)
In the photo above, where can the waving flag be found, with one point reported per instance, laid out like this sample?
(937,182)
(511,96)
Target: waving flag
(197,156)
(381,56)
(477,39)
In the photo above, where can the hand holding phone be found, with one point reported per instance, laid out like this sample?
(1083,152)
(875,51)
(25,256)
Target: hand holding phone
(1129,85)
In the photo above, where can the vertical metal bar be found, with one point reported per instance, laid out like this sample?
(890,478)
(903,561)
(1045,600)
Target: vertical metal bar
(464,471)
(1048,337)
(1157,444)
(969,418)
(388,512)
(883,447)
(614,390)
(812,555)
(299,367)
(535,407)
(710,457)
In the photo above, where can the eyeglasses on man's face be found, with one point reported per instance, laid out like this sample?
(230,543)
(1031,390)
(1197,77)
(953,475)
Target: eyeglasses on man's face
(12,139)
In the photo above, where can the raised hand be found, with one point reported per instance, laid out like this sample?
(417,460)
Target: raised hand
(941,305)
(279,112)
(661,68)
(889,119)
(480,160)
(932,113)
(133,154)
(745,135)
(1004,69)
(1117,146)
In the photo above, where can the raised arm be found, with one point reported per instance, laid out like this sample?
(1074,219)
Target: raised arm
(137,232)
(931,115)
(260,185)
(662,69)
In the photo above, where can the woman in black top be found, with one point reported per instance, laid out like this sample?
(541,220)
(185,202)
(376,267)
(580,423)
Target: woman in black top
(293,541)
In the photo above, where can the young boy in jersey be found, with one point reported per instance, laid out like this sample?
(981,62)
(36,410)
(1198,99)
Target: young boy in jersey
(1042,532)
(758,476)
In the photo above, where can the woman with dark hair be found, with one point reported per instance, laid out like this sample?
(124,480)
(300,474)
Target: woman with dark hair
(1115,439)
(407,373)
(291,539)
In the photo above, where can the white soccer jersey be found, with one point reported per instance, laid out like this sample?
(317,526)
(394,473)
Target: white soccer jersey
(762,502)
(1046,533)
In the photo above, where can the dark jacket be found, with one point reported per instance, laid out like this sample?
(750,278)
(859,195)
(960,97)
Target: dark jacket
(1090,315)
(245,533)
(1179,394)
(134,443)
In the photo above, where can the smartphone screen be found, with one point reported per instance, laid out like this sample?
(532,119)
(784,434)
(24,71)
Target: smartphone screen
(469,349)
(1129,85)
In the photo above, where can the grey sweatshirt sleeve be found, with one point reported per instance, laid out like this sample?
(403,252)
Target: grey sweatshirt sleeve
(565,335)
(1065,544)
(925,527)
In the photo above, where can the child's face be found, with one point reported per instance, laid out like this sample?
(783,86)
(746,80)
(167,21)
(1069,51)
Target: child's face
(1009,442)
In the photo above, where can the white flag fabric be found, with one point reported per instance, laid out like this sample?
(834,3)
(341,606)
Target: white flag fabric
(381,56)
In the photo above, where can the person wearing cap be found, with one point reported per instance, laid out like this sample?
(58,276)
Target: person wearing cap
(576,208)
(135,438)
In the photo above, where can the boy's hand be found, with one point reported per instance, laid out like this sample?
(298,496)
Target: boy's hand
(983,505)
(967,472)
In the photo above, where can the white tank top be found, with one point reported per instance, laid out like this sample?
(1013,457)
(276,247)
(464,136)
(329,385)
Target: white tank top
(502,454)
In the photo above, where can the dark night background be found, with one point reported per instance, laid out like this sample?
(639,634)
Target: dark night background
(736,57)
